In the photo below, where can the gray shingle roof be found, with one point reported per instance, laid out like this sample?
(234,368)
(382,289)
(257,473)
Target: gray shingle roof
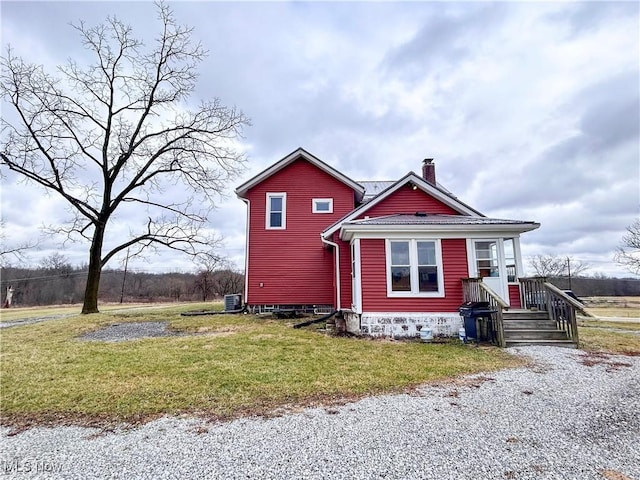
(374,187)
(435,219)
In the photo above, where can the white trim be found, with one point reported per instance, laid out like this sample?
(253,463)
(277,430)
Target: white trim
(502,267)
(246,252)
(413,266)
(314,205)
(242,190)
(471,259)
(468,232)
(356,288)
(337,251)
(422,185)
(267,220)
(518,254)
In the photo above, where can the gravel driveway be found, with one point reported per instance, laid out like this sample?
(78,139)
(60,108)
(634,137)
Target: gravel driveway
(568,416)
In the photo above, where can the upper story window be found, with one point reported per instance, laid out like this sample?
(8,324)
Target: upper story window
(414,268)
(322,205)
(276,215)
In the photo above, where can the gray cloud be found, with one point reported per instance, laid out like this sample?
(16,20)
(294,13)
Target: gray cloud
(584,17)
(448,36)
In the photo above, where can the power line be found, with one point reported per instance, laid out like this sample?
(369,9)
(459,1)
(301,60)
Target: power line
(47,277)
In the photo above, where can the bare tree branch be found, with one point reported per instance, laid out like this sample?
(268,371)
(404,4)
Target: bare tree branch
(628,253)
(557,266)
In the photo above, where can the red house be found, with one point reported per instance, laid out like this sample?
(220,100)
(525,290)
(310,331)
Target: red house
(390,256)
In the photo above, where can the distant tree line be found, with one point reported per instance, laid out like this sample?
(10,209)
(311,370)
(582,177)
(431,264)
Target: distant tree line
(598,287)
(55,282)
(568,273)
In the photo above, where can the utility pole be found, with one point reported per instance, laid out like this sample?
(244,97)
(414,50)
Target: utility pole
(124,277)
(569,270)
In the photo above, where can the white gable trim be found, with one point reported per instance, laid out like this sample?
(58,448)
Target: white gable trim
(242,190)
(420,183)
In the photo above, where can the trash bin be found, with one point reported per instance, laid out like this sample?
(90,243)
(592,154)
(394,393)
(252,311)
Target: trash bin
(477,321)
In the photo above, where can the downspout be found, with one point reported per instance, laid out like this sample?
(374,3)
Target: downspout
(246,252)
(337,250)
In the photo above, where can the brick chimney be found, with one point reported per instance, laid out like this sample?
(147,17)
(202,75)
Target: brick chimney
(429,171)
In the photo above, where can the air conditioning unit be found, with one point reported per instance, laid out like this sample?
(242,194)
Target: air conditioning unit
(232,302)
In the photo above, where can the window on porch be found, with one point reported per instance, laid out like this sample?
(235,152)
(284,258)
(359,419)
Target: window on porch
(510,260)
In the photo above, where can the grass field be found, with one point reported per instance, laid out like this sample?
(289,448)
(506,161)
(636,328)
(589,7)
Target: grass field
(604,333)
(21,313)
(235,365)
(622,307)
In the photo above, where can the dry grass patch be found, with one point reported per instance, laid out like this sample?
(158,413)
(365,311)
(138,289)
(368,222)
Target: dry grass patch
(598,339)
(241,365)
(624,307)
(585,322)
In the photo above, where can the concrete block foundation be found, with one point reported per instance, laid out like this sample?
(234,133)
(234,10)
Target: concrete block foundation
(403,325)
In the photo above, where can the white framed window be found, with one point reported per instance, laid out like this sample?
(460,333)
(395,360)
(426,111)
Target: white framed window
(322,205)
(414,268)
(276,215)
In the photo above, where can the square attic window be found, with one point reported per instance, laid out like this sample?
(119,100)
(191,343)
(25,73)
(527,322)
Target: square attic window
(322,205)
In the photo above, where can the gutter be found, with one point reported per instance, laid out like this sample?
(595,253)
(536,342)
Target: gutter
(246,252)
(337,250)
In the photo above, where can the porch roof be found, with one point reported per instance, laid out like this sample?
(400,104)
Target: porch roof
(435,219)
(438,224)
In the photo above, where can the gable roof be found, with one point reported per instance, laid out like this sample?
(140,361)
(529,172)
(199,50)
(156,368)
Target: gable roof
(438,193)
(373,188)
(242,190)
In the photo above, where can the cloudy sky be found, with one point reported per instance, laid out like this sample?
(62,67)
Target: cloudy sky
(531,110)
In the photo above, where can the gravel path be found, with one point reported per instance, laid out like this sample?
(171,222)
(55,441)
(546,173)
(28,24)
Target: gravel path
(120,332)
(569,416)
(32,320)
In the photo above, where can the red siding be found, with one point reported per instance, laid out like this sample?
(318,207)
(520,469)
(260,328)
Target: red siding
(374,279)
(407,200)
(345,273)
(514,296)
(292,264)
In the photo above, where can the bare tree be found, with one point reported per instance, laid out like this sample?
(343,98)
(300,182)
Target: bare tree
(628,254)
(114,135)
(557,266)
(227,282)
(204,281)
(56,262)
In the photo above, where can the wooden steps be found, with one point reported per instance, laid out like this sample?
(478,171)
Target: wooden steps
(531,327)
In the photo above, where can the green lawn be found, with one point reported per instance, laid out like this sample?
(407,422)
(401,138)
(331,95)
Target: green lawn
(235,365)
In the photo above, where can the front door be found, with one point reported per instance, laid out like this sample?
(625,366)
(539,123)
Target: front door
(490,266)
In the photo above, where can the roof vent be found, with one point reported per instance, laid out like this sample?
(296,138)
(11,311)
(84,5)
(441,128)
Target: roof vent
(421,214)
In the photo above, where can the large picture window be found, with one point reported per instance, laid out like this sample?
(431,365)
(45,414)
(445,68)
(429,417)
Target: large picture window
(414,268)
(276,215)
